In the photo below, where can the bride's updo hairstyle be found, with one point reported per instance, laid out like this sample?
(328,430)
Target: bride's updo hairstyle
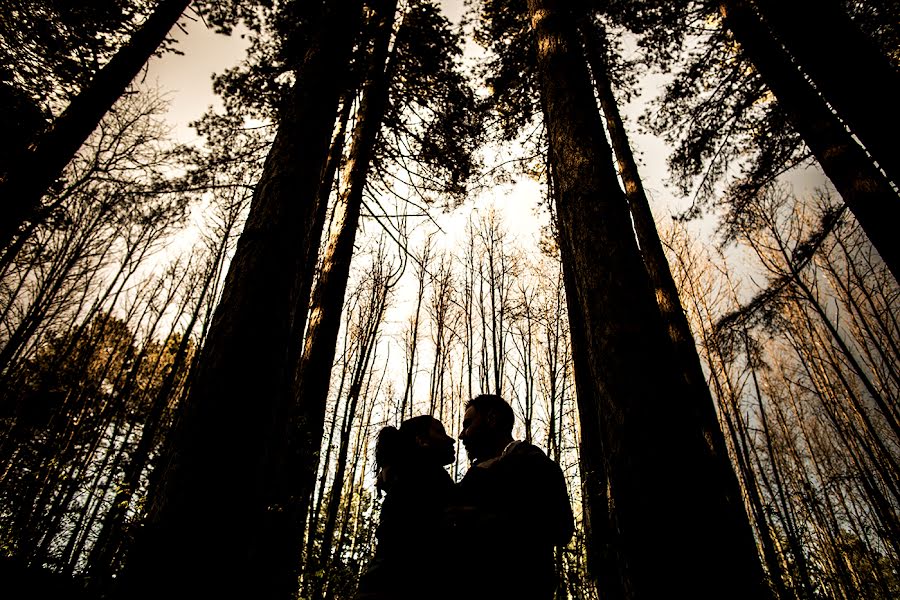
(396,448)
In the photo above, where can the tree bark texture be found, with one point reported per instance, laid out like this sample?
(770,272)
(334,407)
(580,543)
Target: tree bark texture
(663,487)
(295,481)
(599,528)
(652,252)
(670,307)
(212,498)
(275,554)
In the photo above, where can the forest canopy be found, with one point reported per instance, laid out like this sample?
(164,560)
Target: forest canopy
(662,231)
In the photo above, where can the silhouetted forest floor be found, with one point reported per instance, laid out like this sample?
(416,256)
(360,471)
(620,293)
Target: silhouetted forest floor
(20,582)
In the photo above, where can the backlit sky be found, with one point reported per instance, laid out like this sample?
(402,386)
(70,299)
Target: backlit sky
(186,80)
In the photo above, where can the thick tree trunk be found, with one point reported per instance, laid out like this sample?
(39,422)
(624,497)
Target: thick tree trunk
(654,256)
(367,344)
(33,171)
(306,275)
(212,497)
(663,488)
(847,69)
(866,191)
(670,307)
(599,528)
(295,481)
(269,554)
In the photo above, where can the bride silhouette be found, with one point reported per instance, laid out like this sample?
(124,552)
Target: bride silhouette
(412,535)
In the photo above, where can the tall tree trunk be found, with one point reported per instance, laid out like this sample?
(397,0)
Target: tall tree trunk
(865,190)
(295,480)
(648,238)
(663,486)
(34,170)
(306,274)
(372,317)
(670,307)
(848,70)
(599,527)
(212,499)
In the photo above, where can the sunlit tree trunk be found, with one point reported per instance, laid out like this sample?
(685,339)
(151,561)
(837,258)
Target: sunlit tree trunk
(311,376)
(371,318)
(306,275)
(651,247)
(230,421)
(652,444)
(670,307)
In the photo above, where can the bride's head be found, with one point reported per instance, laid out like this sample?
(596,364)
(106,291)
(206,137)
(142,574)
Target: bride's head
(419,440)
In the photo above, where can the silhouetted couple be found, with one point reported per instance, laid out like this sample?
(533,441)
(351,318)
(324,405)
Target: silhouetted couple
(489,537)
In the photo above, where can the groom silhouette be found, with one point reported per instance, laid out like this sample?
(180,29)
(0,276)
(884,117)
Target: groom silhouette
(514,507)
